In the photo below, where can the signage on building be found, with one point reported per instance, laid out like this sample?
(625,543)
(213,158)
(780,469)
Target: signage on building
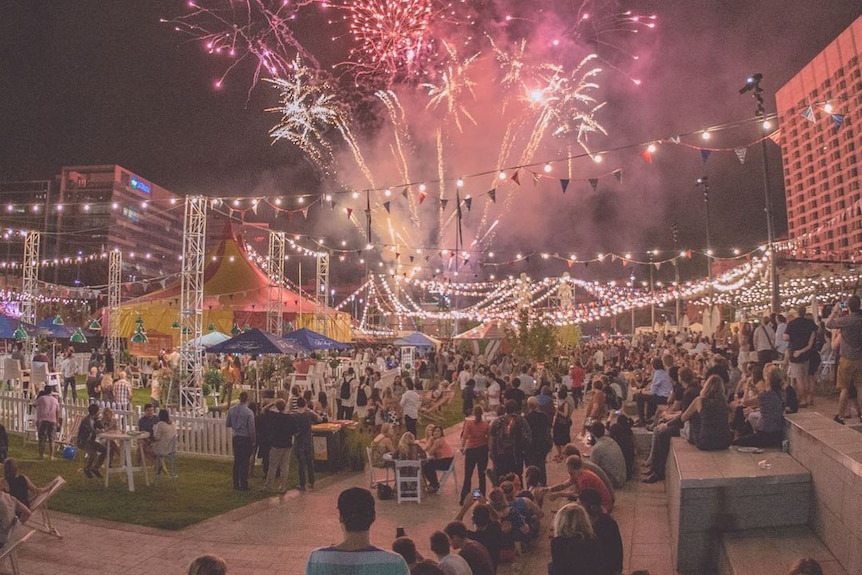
(140,185)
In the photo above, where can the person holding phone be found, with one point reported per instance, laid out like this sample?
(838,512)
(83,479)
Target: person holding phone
(850,350)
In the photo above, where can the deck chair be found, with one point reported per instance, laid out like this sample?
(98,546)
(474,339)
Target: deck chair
(408,481)
(372,472)
(69,431)
(17,537)
(434,411)
(39,506)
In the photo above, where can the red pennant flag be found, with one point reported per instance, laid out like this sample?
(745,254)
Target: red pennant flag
(647,156)
(493,195)
(397,255)
(349,212)
(516,178)
(422,196)
(688,254)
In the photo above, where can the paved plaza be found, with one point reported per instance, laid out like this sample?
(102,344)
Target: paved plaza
(276,535)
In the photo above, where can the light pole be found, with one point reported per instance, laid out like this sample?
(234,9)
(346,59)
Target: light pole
(752,84)
(675,231)
(703,182)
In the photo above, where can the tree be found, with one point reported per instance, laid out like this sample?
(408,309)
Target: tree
(534,339)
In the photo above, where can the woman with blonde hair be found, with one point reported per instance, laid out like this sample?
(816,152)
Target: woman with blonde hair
(709,427)
(408,449)
(574,547)
(381,445)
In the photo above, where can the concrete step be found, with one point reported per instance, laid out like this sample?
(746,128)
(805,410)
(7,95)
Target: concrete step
(772,551)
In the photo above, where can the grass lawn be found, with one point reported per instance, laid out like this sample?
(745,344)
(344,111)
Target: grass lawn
(204,489)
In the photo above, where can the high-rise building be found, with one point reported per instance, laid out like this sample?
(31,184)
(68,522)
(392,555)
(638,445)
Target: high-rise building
(89,211)
(820,115)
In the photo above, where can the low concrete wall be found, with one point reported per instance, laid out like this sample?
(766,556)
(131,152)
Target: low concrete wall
(832,453)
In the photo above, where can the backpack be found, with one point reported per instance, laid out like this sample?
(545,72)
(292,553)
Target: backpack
(362,395)
(344,392)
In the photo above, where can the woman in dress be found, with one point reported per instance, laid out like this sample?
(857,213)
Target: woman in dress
(381,445)
(562,426)
(575,549)
(474,446)
(708,417)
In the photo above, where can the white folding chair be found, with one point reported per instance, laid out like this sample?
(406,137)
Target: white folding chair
(408,481)
(449,473)
(372,471)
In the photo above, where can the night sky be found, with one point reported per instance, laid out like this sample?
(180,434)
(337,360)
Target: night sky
(93,82)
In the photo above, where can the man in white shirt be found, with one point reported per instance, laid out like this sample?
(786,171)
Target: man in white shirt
(410,402)
(67,371)
(493,394)
(465,376)
(448,562)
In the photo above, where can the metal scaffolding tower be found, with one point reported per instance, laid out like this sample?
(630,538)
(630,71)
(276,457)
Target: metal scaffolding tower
(192,302)
(115,282)
(321,319)
(30,276)
(275,270)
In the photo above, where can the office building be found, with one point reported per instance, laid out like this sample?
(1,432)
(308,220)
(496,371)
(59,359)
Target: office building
(820,115)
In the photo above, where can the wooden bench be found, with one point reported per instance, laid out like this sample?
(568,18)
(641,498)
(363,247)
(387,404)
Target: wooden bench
(715,492)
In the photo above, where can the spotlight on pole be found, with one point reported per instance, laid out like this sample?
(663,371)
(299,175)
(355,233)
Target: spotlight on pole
(751,82)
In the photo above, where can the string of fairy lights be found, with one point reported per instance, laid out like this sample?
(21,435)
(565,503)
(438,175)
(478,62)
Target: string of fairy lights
(495,297)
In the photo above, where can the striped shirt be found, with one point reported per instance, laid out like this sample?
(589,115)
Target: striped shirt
(369,561)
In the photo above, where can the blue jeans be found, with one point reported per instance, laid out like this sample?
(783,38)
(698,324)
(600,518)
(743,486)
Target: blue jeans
(305,458)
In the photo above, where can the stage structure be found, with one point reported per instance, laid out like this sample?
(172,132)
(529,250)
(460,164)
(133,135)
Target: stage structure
(321,319)
(191,302)
(30,276)
(275,271)
(115,282)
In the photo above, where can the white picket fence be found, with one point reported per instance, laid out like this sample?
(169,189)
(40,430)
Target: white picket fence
(198,434)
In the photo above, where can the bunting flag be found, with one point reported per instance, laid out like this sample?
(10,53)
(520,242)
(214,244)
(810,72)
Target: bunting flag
(705,154)
(570,263)
(740,153)
(387,206)
(493,195)
(422,196)
(657,265)
(368,216)
(404,193)
(411,258)
(305,213)
(564,183)
(647,156)
(675,139)
(776,137)
(618,174)
(349,212)
(808,114)
(516,178)
(535,178)
(254,207)
(332,205)
(688,254)
(443,204)
(594,182)
(397,255)
(469,203)
(838,120)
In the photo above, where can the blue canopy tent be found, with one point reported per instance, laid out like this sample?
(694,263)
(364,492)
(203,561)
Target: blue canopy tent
(9,325)
(418,340)
(212,338)
(311,340)
(55,330)
(256,342)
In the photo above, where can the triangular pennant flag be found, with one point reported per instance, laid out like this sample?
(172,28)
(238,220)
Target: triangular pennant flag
(776,137)
(535,178)
(675,139)
(618,174)
(594,182)
(647,156)
(688,254)
(305,213)
(332,205)
(397,255)
(387,205)
(570,263)
(411,259)
(808,114)
(657,265)
(493,195)
(422,196)
(740,153)
(838,120)
(564,183)
(705,154)
(254,207)
(349,212)
(516,178)
(426,258)
(443,204)
(468,202)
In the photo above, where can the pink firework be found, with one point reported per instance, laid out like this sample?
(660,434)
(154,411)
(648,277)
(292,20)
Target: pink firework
(393,38)
(246,29)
